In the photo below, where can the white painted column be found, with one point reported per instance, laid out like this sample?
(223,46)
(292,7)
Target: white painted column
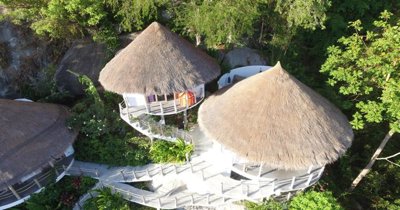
(175,108)
(14,192)
(147,104)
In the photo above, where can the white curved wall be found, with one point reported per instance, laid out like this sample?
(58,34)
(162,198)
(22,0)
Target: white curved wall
(245,71)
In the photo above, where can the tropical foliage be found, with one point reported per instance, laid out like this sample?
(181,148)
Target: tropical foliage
(105,200)
(60,195)
(164,151)
(367,68)
(362,70)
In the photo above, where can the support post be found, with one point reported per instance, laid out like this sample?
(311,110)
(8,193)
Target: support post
(52,165)
(321,171)
(288,196)
(14,192)
(175,108)
(273,186)
(260,170)
(187,99)
(134,175)
(161,108)
(176,202)
(292,183)
(123,175)
(185,121)
(309,180)
(187,157)
(37,183)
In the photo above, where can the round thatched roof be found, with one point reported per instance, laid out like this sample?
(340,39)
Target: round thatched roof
(32,134)
(158,61)
(275,119)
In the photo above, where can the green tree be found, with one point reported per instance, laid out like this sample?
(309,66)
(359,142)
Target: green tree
(58,18)
(367,67)
(229,22)
(133,14)
(220,22)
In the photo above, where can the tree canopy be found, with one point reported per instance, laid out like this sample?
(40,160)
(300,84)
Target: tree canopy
(366,66)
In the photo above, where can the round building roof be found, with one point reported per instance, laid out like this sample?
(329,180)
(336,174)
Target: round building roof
(32,135)
(275,119)
(158,61)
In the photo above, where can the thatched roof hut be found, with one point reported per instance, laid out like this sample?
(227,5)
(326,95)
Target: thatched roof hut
(159,62)
(32,134)
(275,119)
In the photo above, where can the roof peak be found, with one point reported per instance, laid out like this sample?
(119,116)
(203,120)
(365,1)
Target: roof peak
(158,61)
(274,110)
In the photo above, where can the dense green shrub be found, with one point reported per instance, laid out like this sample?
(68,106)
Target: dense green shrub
(103,136)
(60,195)
(165,151)
(315,200)
(106,200)
(266,205)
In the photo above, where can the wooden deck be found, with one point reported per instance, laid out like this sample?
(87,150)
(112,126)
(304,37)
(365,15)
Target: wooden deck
(160,108)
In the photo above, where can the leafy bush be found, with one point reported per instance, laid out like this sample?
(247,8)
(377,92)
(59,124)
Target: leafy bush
(104,137)
(164,151)
(266,205)
(113,151)
(60,195)
(107,200)
(315,200)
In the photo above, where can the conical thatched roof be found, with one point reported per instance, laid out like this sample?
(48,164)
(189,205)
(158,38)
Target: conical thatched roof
(275,119)
(158,61)
(31,135)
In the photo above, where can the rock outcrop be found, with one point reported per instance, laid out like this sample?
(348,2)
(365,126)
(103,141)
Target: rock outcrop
(239,57)
(21,57)
(85,57)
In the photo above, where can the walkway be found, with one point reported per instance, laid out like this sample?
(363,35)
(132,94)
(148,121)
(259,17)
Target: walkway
(219,187)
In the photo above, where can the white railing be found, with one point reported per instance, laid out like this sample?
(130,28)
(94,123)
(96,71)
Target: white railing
(149,127)
(246,71)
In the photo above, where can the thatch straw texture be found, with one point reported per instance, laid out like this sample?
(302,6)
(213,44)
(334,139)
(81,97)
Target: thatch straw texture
(158,61)
(273,118)
(32,134)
